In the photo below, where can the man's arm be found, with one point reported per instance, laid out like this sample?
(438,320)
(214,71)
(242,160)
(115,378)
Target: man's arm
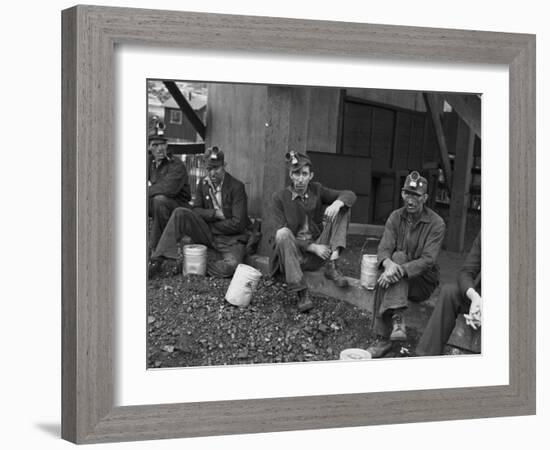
(328,196)
(239,212)
(172,182)
(429,254)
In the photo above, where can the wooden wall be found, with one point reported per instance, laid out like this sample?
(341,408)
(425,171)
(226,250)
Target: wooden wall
(236,123)
(403,99)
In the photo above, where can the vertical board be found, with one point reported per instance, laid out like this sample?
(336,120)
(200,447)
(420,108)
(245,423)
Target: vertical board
(382,141)
(357,129)
(414,161)
(277,133)
(403,126)
(236,123)
(322,119)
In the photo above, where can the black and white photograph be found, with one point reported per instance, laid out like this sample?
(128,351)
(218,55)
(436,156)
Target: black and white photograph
(296,224)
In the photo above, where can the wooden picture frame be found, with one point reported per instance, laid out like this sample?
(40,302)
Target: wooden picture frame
(90,34)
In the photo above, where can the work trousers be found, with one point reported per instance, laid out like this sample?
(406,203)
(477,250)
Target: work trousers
(450,304)
(160,210)
(294,260)
(394,298)
(225,253)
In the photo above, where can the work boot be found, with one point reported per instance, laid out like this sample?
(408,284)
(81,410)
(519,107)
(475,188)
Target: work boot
(304,302)
(399,332)
(379,347)
(154,268)
(332,273)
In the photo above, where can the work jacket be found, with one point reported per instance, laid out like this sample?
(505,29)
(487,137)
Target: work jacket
(234,207)
(420,241)
(292,213)
(170,179)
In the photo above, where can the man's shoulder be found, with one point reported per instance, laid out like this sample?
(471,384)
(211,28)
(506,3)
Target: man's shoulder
(395,215)
(434,218)
(232,181)
(281,194)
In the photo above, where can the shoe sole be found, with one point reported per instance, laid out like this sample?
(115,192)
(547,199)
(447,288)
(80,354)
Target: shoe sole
(379,354)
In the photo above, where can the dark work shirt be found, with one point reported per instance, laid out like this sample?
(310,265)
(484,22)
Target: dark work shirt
(420,241)
(170,179)
(291,210)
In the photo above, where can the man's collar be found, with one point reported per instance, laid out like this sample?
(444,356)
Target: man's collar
(424,216)
(294,195)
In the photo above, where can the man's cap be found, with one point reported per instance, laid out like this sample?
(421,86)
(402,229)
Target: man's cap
(415,184)
(213,157)
(157,134)
(296,161)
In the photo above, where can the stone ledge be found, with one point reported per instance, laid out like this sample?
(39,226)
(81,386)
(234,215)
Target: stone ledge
(416,316)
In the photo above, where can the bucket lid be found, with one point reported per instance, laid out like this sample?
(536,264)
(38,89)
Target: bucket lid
(246,268)
(354,354)
(194,248)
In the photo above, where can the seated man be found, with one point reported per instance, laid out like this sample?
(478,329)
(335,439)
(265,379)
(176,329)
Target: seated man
(455,298)
(168,186)
(407,252)
(306,234)
(219,220)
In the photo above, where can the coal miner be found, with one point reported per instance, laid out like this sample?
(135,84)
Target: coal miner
(464,296)
(168,185)
(218,219)
(407,253)
(311,223)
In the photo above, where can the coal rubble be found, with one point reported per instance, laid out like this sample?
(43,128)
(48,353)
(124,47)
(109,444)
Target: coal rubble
(190,323)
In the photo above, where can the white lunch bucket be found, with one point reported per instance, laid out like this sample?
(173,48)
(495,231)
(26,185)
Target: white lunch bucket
(243,284)
(369,271)
(194,259)
(354,354)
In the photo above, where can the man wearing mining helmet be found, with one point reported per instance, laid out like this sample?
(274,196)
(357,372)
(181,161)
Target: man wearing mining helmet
(407,253)
(168,184)
(311,223)
(218,219)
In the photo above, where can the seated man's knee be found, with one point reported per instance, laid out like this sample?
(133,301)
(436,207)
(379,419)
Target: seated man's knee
(180,212)
(283,234)
(160,201)
(399,257)
(450,294)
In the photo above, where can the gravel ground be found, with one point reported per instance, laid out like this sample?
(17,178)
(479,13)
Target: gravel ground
(191,324)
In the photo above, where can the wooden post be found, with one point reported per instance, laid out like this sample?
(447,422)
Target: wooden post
(277,134)
(460,195)
(433,110)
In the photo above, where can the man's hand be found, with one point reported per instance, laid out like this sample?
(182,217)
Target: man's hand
(333,209)
(322,251)
(393,272)
(218,214)
(473,318)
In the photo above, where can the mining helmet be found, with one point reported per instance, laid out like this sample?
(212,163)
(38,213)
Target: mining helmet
(296,161)
(415,184)
(214,157)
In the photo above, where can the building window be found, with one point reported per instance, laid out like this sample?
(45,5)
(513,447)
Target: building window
(176,116)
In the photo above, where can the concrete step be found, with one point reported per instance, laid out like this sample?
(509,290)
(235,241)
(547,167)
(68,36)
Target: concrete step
(416,316)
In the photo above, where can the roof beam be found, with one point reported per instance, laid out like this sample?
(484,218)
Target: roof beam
(468,107)
(432,105)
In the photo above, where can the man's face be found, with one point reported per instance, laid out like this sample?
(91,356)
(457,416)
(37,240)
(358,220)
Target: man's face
(413,202)
(216,174)
(158,149)
(300,178)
